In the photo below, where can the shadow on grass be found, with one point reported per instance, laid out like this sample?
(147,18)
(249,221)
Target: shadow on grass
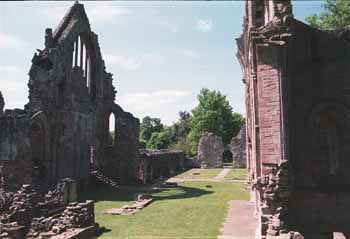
(101,230)
(104,193)
(120,195)
(181,172)
(182,192)
(176,193)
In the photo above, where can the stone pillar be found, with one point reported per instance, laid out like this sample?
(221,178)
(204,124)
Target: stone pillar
(73,191)
(69,190)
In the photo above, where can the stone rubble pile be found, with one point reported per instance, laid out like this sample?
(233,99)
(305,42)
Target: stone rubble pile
(21,209)
(76,215)
(41,225)
(31,215)
(18,214)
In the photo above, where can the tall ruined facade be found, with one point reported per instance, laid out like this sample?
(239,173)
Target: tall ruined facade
(298,128)
(64,129)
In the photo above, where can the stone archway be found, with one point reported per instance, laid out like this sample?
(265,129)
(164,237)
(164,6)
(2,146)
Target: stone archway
(227,157)
(327,126)
(40,151)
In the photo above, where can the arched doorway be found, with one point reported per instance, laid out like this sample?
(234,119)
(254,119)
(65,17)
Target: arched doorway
(327,125)
(227,157)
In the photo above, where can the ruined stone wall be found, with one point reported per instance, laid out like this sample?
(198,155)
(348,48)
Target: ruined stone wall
(319,129)
(210,151)
(122,160)
(160,163)
(15,150)
(238,148)
(127,146)
(65,123)
(261,52)
(15,173)
(297,123)
(14,137)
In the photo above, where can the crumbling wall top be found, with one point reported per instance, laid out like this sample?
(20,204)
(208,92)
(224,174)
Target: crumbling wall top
(2,104)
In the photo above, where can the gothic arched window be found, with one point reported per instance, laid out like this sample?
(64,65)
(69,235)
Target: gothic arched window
(82,58)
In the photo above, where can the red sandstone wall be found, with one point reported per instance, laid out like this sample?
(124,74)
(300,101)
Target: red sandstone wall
(269,109)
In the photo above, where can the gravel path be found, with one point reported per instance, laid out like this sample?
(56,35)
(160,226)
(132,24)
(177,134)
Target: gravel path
(240,221)
(223,173)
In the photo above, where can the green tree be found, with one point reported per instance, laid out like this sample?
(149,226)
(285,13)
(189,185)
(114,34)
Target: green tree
(179,132)
(336,15)
(181,128)
(149,126)
(159,140)
(213,114)
(183,144)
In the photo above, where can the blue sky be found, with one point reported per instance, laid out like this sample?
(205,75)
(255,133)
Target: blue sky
(161,53)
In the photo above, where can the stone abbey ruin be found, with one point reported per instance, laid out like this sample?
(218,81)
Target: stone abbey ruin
(297,101)
(50,150)
(295,137)
(213,153)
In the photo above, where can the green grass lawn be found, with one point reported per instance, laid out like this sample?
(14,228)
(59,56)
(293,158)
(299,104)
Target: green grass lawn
(237,173)
(200,173)
(190,211)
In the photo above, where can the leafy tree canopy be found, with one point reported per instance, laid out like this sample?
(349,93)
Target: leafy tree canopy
(159,140)
(213,114)
(336,15)
(148,127)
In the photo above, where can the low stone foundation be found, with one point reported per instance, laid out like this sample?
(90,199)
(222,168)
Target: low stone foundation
(142,200)
(160,163)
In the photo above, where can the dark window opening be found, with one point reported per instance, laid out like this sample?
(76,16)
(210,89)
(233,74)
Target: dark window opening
(227,157)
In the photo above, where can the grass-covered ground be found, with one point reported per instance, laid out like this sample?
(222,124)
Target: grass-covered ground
(237,173)
(193,210)
(200,173)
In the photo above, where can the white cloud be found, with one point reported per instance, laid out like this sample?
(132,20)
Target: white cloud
(106,12)
(8,41)
(174,28)
(189,53)
(133,63)
(13,85)
(164,104)
(124,62)
(205,25)
(97,12)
